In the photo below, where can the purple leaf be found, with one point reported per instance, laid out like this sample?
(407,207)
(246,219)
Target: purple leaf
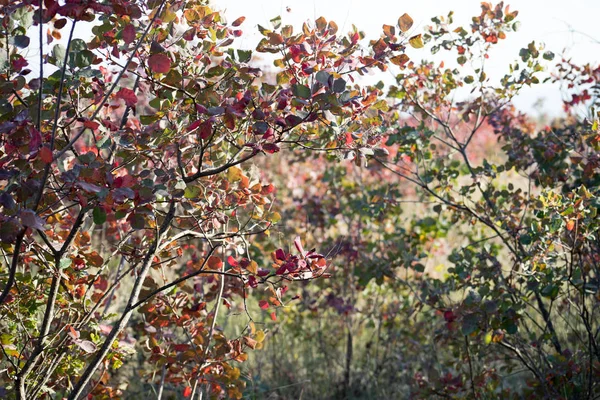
(31,220)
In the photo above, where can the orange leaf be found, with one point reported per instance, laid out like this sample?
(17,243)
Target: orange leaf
(214,263)
(187,392)
(570,225)
(405,22)
(399,60)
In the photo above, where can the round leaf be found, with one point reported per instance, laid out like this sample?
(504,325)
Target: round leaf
(405,22)
(159,63)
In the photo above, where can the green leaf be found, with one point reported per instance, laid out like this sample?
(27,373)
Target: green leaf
(20,41)
(548,56)
(339,85)
(82,59)
(276,22)
(510,327)
(137,221)
(322,77)
(264,31)
(99,215)
(77,45)
(244,55)
(191,192)
(525,239)
(59,52)
(23,16)
(148,119)
(524,54)
(104,143)
(550,291)
(301,91)
(470,324)
(65,263)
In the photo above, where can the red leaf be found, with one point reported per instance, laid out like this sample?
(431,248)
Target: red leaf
(91,124)
(181,347)
(194,125)
(282,270)
(206,129)
(270,148)
(129,34)
(128,95)
(238,21)
(19,63)
(124,181)
(349,138)
(46,154)
(263,304)
(232,261)
(110,125)
(187,392)
(280,254)
(159,63)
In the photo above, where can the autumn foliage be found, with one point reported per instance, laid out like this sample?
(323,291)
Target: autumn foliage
(156,184)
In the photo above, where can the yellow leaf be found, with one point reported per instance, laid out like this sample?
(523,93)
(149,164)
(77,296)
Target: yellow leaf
(234,174)
(260,336)
(399,60)
(488,338)
(253,267)
(275,217)
(416,41)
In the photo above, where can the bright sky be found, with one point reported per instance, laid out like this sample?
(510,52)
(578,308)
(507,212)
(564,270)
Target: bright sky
(572,25)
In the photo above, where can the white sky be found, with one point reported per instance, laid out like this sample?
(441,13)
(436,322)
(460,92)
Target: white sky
(572,25)
(548,21)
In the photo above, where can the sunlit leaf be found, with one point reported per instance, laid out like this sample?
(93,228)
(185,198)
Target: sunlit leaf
(416,41)
(405,22)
